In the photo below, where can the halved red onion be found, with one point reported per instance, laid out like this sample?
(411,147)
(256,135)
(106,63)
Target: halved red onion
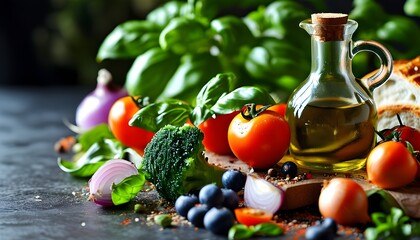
(111,172)
(261,194)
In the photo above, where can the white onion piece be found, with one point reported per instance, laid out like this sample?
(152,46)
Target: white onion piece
(111,172)
(261,194)
(94,108)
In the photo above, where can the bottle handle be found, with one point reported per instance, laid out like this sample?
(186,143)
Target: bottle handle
(384,56)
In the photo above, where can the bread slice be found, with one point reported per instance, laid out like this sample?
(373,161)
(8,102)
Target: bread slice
(400,94)
(409,114)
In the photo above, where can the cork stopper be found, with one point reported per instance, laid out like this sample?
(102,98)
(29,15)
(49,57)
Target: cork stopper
(329,26)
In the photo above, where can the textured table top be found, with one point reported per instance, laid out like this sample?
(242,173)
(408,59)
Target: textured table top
(40,201)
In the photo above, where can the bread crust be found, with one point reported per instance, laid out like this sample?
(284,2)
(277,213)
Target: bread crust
(400,94)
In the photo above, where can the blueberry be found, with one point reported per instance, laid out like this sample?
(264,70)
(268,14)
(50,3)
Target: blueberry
(211,195)
(231,199)
(318,232)
(330,224)
(289,168)
(233,179)
(196,215)
(184,203)
(219,220)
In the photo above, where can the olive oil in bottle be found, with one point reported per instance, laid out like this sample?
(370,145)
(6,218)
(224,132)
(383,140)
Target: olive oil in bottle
(333,134)
(332,117)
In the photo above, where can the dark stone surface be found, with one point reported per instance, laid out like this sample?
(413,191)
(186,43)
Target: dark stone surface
(38,200)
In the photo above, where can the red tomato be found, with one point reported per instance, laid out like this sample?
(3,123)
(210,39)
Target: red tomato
(215,133)
(407,133)
(390,165)
(252,216)
(260,141)
(119,116)
(280,108)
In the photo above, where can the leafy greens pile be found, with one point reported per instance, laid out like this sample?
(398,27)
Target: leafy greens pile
(182,44)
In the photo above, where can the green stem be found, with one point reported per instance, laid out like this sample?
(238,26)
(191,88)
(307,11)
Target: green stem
(250,110)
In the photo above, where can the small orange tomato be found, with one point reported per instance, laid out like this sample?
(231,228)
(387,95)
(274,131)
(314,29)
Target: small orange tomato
(119,116)
(252,216)
(259,137)
(345,201)
(391,165)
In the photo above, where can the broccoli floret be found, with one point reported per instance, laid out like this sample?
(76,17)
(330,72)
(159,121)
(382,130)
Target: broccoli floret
(174,162)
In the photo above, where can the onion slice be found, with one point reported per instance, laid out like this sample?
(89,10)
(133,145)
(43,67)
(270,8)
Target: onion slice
(111,172)
(261,194)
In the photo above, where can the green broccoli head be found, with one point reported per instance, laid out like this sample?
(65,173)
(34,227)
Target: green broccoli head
(174,162)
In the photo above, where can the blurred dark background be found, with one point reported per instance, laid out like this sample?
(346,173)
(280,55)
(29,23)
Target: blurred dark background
(54,42)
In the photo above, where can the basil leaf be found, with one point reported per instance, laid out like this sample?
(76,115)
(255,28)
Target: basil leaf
(150,73)
(236,99)
(192,74)
(88,162)
(218,86)
(240,231)
(232,34)
(268,229)
(94,135)
(185,35)
(127,189)
(156,115)
(166,12)
(128,40)
(412,8)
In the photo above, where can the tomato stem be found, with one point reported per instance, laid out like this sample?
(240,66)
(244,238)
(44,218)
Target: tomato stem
(250,110)
(399,120)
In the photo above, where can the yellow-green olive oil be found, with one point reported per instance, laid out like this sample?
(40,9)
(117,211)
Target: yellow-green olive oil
(332,134)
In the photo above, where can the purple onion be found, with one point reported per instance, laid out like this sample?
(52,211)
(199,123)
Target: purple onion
(111,172)
(94,108)
(261,194)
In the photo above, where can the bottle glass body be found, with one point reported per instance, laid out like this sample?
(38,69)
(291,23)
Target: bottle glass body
(331,116)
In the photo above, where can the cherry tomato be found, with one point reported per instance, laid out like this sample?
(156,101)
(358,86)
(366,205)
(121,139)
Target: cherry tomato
(406,133)
(119,116)
(215,133)
(391,165)
(252,216)
(280,108)
(260,138)
(345,201)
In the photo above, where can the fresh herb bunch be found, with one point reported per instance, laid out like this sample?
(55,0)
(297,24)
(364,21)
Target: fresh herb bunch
(395,225)
(182,44)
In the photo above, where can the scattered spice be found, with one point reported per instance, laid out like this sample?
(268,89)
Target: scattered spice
(65,144)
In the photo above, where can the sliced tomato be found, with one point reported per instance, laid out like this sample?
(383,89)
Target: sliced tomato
(252,216)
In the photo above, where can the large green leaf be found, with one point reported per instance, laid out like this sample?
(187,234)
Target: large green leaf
(129,39)
(150,73)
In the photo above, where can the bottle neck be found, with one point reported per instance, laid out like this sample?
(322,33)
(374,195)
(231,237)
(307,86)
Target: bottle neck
(330,58)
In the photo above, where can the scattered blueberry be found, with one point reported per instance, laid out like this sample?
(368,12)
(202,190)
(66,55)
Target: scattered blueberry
(219,220)
(233,179)
(211,195)
(231,199)
(289,168)
(330,224)
(327,229)
(184,203)
(196,215)
(318,232)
